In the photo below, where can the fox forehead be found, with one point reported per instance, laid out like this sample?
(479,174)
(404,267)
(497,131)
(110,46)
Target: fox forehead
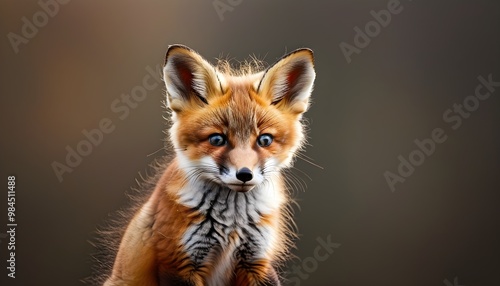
(240,81)
(239,113)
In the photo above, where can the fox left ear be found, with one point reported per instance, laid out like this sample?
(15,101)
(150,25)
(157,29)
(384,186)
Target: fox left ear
(289,82)
(189,79)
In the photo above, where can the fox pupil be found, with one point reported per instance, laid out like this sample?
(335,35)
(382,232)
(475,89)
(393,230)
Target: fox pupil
(265,140)
(217,139)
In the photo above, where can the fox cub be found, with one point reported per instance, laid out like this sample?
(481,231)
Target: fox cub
(219,213)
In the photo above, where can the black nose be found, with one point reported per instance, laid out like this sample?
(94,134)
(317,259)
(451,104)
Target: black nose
(244,174)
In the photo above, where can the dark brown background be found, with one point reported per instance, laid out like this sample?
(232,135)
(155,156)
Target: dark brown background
(441,223)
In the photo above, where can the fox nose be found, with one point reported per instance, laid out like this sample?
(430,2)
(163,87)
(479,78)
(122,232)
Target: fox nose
(244,174)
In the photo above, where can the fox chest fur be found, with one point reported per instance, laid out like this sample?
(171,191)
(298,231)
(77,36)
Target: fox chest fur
(219,212)
(216,229)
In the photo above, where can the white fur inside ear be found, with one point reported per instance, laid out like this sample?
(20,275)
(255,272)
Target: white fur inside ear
(300,89)
(290,81)
(171,82)
(199,84)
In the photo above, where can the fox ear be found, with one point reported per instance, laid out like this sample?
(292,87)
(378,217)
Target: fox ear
(289,82)
(189,78)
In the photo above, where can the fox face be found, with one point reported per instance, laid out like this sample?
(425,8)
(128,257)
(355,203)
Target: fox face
(236,129)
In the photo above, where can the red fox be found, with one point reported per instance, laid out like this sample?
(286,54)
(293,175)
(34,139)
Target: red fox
(219,213)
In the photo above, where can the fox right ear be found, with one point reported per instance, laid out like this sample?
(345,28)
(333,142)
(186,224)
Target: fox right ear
(189,78)
(289,82)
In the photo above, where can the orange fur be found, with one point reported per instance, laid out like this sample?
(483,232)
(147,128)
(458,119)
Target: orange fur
(219,215)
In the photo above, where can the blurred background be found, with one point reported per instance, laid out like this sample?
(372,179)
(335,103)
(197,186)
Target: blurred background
(68,68)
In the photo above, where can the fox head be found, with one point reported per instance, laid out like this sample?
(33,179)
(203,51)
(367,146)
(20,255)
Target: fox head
(232,128)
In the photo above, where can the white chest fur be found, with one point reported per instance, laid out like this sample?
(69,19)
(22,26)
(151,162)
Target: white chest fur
(231,228)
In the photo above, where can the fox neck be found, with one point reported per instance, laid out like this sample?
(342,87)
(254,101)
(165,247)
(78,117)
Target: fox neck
(204,196)
(232,226)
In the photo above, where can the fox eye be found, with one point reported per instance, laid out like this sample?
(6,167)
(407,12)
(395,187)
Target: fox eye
(265,140)
(217,139)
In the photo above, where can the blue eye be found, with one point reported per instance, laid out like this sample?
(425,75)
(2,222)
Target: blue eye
(217,139)
(265,140)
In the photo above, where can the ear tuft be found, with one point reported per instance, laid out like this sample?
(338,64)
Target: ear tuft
(289,82)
